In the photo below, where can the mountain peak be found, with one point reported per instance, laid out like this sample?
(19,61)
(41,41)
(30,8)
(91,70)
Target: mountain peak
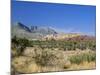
(30,32)
(22,26)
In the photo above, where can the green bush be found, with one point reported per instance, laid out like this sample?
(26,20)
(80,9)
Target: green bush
(19,44)
(88,57)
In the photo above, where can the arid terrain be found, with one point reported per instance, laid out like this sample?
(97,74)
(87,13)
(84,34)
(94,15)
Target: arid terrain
(73,53)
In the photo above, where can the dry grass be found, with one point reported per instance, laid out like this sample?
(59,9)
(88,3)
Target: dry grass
(82,66)
(24,65)
(87,60)
(83,57)
(27,64)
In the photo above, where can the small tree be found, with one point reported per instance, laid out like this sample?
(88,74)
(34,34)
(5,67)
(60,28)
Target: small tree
(19,44)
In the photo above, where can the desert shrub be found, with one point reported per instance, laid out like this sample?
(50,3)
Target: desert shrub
(88,57)
(48,57)
(92,46)
(82,46)
(43,57)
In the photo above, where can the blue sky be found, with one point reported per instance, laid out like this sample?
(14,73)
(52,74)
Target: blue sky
(61,17)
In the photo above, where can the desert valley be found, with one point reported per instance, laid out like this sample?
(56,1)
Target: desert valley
(42,49)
